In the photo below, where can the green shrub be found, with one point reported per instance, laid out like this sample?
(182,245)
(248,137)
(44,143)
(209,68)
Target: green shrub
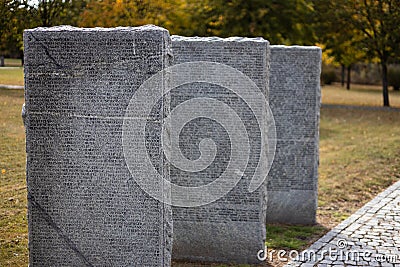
(394,78)
(328,77)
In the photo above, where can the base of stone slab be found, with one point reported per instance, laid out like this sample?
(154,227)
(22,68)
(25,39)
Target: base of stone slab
(235,242)
(292,207)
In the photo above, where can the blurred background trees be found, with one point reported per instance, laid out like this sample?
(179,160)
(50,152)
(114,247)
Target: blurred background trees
(359,30)
(350,31)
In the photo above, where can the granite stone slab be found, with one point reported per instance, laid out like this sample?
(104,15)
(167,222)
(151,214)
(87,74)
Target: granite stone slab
(84,207)
(294,98)
(231,229)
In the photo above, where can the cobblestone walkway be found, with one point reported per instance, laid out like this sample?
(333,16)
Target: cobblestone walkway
(370,237)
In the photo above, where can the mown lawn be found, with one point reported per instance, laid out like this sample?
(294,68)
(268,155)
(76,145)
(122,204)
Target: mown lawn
(359,157)
(12,62)
(12,75)
(13,223)
(358,95)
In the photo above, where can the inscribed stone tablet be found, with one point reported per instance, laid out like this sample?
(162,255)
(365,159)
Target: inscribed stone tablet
(83,204)
(294,97)
(231,229)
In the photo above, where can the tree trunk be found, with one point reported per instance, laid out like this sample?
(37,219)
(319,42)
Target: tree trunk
(343,74)
(21,55)
(1,61)
(348,77)
(44,14)
(385,84)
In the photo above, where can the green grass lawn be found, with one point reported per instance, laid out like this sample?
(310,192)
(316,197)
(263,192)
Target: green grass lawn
(358,95)
(359,157)
(12,75)
(12,62)
(13,223)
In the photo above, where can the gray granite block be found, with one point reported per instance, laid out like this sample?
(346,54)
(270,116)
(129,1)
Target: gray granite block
(294,98)
(84,207)
(292,207)
(231,229)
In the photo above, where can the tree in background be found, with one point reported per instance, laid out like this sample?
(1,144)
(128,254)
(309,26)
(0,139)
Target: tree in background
(278,21)
(197,18)
(111,13)
(15,17)
(342,41)
(281,22)
(352,30)
(18,15)
(183,17)
(57,12)
(368,26)
(379,23)
(346,53)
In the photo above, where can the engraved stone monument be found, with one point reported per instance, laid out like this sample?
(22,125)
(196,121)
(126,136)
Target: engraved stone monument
(84,207)
(231,229)
(294,98)
(88,135)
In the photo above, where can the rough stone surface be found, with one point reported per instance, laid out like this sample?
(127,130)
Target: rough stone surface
(294,98)
(231,229)
(369,237)
(84,208)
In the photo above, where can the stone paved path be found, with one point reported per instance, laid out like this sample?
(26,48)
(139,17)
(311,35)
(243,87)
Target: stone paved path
(370,237)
